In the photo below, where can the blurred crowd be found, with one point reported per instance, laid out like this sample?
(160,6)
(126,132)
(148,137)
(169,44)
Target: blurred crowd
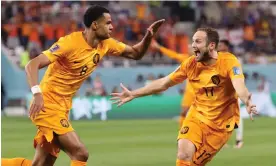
(30,27)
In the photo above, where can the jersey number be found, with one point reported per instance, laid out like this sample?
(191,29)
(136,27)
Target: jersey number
(209,91)
(203,157)
(83,70)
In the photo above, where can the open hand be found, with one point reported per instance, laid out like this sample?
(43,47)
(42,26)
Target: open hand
(155,26)
(123,97)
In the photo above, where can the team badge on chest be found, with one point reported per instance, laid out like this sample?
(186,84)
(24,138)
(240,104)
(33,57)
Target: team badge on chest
(215,79)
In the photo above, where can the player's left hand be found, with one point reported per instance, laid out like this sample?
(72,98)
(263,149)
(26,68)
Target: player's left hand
(155,26)
(123,97)
(251,108)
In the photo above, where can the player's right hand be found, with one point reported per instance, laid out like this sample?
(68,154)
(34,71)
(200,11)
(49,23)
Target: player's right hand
(37,105)
(123,97)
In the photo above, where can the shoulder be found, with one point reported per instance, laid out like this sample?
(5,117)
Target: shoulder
(110,41)
(227,56)
(69,43)
(71,38)
(189,62)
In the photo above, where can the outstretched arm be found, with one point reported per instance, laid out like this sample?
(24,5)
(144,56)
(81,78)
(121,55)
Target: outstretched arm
(155,86)
(138,51)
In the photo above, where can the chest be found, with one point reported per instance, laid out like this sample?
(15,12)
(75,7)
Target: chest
(83,62)
(209,78)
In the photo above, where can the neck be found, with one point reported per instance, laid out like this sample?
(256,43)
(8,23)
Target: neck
(213,56)
(90,38)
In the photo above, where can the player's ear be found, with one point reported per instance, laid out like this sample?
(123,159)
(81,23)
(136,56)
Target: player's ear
(212,45)
(94,25)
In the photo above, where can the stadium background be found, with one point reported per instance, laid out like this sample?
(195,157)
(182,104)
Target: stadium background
(142,132)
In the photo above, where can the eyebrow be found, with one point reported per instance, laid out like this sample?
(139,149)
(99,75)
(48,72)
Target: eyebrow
(196,39)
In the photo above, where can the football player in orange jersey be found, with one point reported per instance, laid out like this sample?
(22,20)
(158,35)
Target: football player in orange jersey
(188,96)
(70,61)
(217,81)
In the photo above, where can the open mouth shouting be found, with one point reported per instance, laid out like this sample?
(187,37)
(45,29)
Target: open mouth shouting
(197,53)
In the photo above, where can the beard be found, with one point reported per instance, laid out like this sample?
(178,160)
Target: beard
(202,56)
(103,37)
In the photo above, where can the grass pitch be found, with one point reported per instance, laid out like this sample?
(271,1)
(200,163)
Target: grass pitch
(142,142)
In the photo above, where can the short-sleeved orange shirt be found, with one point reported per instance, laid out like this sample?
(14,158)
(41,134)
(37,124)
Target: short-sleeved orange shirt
(216,102)
(73,60)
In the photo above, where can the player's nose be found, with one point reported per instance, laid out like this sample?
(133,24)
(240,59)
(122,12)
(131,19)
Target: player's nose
(193,46)
(111,27)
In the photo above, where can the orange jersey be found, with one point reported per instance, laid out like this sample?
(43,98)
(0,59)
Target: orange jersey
(73,60)
(216,102)
(188,96)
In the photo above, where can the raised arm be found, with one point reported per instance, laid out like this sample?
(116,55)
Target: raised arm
(170,53)
(138,51)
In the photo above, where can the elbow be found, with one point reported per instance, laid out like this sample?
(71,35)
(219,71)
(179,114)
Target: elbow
(137,57)
(137,54)
(31,65)
(27,67)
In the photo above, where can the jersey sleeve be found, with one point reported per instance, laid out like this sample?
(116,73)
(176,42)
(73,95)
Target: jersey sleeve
(180,74)
(57,50)
(234,69)
(115,47)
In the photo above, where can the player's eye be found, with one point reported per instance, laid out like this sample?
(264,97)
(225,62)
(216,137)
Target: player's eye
(196,41)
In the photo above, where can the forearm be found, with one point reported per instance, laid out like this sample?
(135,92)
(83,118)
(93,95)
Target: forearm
(172,54)
(141,47)
(151,88)
(31,70)
(243,94)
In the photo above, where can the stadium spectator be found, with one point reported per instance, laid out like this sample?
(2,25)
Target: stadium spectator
(247,25)
(98,88)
